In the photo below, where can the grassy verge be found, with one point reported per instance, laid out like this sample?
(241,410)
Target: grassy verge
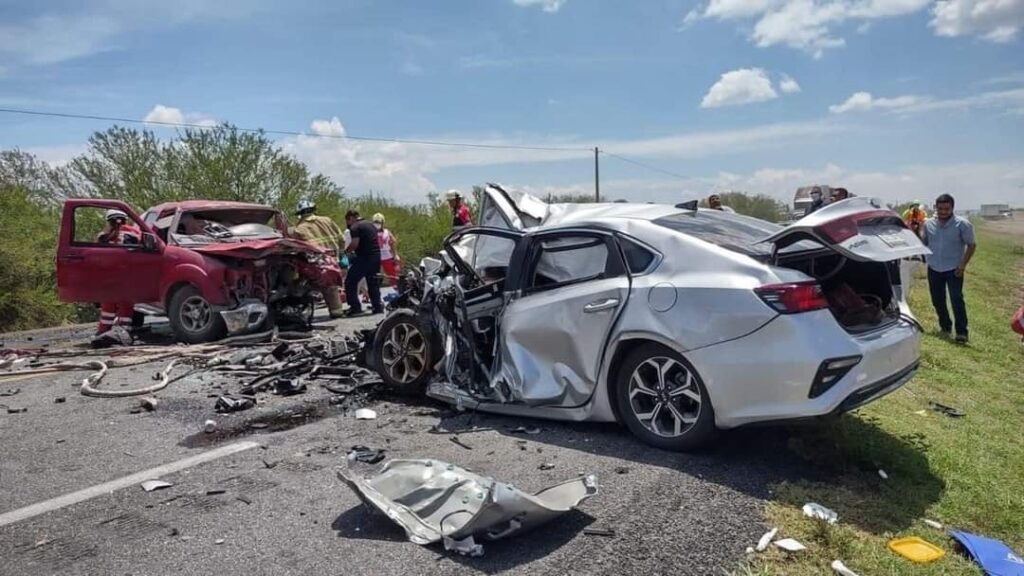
(965,473)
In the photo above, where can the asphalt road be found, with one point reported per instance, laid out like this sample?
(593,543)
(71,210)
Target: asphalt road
(284,511)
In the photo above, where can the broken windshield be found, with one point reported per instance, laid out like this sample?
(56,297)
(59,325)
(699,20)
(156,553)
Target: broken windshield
(234,225)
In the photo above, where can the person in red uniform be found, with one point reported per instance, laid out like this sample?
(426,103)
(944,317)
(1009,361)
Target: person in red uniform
(460,212)
(119,230)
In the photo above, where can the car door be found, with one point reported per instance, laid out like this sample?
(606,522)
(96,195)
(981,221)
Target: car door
(88,271)
(570,292)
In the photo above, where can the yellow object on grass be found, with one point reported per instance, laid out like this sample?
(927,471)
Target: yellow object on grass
(916,549)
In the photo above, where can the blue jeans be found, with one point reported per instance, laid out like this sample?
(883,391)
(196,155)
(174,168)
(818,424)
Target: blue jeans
(938,284)
(364,267)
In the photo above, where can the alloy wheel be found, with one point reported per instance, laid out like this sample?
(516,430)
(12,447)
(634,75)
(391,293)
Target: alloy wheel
(664,396)
(404,354)
(196,314)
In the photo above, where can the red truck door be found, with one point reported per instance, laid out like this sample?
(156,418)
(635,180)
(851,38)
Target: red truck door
(88,271)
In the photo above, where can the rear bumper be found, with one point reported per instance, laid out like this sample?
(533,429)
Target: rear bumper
(767,375)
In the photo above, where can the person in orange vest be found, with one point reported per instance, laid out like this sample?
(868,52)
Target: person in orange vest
(915,216)
(119,230)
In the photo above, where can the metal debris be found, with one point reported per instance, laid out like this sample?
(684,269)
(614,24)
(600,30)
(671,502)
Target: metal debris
(546,466)
(151,485)
(455,440)
(209,426)
(149,403)
(289,386)
(525,430)
(598,531)
(228,403)
(815,510)
(366,455)
(434,501)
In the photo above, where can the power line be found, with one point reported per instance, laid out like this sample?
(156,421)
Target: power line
(643,165)
(293,133)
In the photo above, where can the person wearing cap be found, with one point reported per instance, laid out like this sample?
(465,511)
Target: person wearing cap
(322,232)
(118,230)
(389,260)
(914,217)
(460,212)
(715,203)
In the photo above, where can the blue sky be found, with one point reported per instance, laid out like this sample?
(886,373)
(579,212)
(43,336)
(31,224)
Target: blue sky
(891,98)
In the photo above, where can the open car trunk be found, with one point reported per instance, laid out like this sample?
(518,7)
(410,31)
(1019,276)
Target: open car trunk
(860,249)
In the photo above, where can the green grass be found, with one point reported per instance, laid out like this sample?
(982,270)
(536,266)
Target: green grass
(965,473)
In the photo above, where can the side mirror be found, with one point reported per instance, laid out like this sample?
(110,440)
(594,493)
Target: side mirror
(149,242)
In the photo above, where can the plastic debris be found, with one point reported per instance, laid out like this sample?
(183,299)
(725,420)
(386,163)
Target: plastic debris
(993,556)
(531,430)
(933,524)
(10,392)
(916,549)
(60,400)
(765,540)
(947,410)
(209,426)
(841,568)
(150,485)
(815,510)
(883,474)
(546,466)
(218,541)
(289,386)
(365,414)
(599,531)
(435,501)
(465,547)
(229,403)
(366,455)
(749,550)
(149,403)
(790,545)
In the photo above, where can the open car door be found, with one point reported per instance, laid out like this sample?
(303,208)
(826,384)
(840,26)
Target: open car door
(857,228)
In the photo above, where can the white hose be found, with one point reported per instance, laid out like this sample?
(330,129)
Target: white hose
(94,379)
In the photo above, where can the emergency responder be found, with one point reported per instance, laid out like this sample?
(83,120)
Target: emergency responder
(322,232)
(118,230)
(460,212)
(914,217)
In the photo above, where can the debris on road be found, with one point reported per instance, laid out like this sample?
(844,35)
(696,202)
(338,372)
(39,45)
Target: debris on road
(14,410)
(218,541)
(10,392)
(598,532)
(455,440)
(525,430)
(462,504)
(790,545)
(365,414)
(815,510)
(209,426)
(228,403)
(841,568)
(622,469)
(365,454)
(993,556)
(60,400)
(215,491)
(883,474)
(149,403)
(765,540)
(916,549)
(933,524)
(151,485)
(546,466)
(947,410)
(289,386)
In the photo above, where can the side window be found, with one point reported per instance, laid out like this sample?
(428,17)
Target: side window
(571,259)
(90,227)
(638,258)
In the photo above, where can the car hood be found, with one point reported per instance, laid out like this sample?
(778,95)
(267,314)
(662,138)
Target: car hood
(255,249)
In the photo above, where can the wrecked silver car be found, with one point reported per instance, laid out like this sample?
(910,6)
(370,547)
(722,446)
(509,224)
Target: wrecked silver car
(672,320)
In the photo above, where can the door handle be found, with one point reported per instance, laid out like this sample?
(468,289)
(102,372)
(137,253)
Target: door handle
(598,305)
(72,258)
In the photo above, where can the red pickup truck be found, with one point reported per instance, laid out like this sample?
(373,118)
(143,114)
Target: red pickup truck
(213,268)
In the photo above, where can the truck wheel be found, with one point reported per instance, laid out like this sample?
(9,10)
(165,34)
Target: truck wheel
(193,318)
(405,350)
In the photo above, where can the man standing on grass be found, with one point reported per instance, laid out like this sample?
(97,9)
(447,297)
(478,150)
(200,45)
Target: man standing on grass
(951,240)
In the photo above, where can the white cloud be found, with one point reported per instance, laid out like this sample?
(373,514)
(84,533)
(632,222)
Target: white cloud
(788,85)
(549,6)
(808,25)
(1010,100)
(993,20)
(161,114)
(736,87)
(864,101)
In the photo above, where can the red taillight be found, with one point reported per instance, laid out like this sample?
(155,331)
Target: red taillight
(793,298)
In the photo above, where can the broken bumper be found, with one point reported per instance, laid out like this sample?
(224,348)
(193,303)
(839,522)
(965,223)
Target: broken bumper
(245,318)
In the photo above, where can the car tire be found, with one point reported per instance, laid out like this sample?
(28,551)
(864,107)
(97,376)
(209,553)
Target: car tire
(193,319)
(405,349)
(662,400)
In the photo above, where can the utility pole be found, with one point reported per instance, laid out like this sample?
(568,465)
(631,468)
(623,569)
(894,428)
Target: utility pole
(597,177)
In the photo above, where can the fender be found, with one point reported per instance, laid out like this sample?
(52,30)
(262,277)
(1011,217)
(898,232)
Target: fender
(211,285)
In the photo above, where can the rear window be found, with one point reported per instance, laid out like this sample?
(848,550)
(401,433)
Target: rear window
(734,232)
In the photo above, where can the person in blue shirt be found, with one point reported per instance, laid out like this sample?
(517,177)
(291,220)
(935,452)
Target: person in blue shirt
(951,240)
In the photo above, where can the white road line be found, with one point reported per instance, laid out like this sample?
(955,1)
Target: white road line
(108,487)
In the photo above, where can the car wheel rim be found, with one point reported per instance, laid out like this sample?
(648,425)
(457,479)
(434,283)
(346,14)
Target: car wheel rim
(404,353)
(195,314)
(664,396)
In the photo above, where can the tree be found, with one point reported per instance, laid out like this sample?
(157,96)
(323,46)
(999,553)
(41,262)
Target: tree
(756,206)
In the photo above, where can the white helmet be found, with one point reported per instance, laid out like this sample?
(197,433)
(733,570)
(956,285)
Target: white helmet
(115,213)
(305,206)
(452,194)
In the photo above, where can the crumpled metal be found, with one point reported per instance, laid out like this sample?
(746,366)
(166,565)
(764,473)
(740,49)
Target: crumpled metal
(436,501)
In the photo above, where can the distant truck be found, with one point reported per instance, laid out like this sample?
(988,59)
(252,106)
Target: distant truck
(996,211)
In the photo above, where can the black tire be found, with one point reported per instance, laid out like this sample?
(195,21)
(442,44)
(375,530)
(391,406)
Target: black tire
(696,427)
(405,349)
(189,328)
